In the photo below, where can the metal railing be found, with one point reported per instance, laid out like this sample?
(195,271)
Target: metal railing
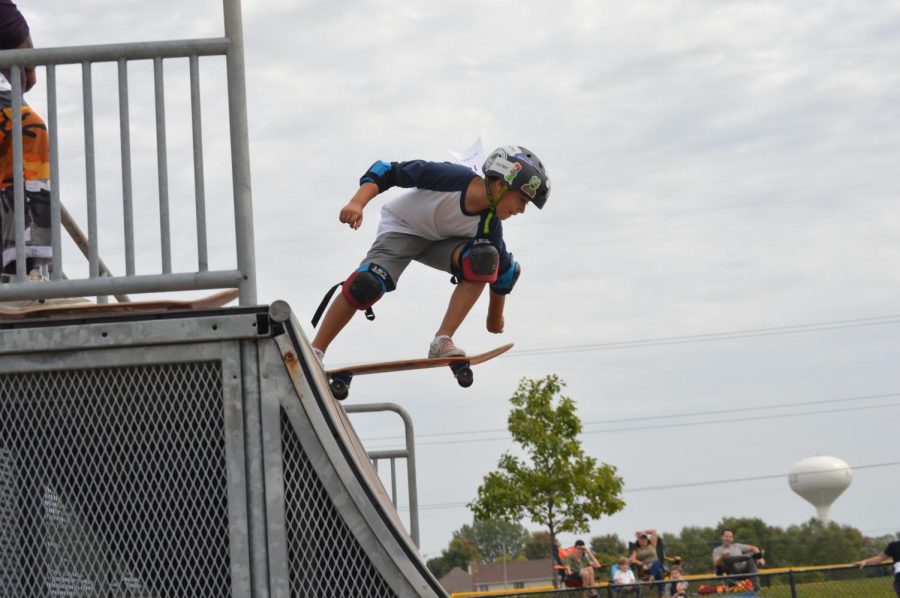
(243,276)
(409,453)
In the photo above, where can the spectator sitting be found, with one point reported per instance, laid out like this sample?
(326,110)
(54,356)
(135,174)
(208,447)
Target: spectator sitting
(677,587)
(580,566)
(645,556)
(733,558)
(624,580)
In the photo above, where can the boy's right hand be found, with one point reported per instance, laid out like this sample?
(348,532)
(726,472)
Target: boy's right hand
(352,214)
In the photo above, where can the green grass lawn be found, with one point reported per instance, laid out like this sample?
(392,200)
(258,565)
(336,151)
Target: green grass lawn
(869,587)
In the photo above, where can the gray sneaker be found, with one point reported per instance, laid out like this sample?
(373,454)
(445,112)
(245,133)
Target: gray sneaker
(442,346)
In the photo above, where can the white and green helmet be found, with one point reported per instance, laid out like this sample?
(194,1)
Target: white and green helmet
(521,170)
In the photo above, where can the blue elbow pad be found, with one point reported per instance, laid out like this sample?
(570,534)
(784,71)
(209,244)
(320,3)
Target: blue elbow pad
(381,173)
(507,279)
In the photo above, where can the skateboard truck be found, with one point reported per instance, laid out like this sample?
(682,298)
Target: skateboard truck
(340,385)
(463,374)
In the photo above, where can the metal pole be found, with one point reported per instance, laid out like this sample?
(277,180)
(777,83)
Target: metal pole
(162,167)
(90,175)
(240,150)
(52,122)
(199,189)
(125,144)
(394,482)
(793,585)
(18,173)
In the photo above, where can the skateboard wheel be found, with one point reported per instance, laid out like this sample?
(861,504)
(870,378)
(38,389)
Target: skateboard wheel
(339,389)
(464,377)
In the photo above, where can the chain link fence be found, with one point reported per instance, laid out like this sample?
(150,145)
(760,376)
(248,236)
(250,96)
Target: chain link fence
(835,581)
(113,482)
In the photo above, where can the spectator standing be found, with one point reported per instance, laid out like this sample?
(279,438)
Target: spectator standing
(15,34)
(891,551)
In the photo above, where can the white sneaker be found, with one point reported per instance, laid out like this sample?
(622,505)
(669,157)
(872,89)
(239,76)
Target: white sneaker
(442,346)
(320,356)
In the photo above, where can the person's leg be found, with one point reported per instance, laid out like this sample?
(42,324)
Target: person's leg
(587,580)
(464,297)
(392,252)
(897,585)
(337,316)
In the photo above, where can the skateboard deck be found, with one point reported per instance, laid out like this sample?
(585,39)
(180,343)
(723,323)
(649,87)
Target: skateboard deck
(460,366)
(90,309)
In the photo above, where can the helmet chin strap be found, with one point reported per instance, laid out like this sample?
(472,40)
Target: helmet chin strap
(490,195)
(493,201)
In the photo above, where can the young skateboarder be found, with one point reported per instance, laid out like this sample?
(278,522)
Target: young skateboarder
(450,219)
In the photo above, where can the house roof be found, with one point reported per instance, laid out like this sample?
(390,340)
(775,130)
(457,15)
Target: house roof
(541,569)
(457,580)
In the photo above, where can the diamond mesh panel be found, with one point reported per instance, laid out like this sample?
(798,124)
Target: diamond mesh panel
(324,558)
(113,482)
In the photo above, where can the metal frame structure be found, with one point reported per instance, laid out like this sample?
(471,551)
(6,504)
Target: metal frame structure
(287,493)
(243,276)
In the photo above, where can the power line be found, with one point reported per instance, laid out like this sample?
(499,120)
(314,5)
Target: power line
(669,425)
(626,490)
(712,336)
(667,416)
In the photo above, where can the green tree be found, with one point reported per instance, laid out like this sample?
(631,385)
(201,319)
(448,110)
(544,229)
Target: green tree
(496,540)
(459,553)
(539,545)
(817,543)
(558,486)
(608,548)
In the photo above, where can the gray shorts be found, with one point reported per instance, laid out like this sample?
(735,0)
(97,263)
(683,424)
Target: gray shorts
(394,251)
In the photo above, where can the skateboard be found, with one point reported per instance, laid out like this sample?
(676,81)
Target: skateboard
(90,309)
(339,378)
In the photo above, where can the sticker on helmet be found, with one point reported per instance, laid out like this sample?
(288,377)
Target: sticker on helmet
(530,188)
(513,173)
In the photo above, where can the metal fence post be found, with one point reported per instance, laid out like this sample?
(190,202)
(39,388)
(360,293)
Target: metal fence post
(792,584)
(240,151)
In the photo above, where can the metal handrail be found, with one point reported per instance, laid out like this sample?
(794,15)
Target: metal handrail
(99,283)
(409,453)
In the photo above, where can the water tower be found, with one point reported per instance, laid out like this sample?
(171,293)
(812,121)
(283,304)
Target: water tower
(820,480)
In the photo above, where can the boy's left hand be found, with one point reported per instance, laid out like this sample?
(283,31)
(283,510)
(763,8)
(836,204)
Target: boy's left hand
(495,324)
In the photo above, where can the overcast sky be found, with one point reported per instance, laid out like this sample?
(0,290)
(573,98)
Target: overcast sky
(717,167)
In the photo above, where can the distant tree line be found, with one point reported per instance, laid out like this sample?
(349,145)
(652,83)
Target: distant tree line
(807,544)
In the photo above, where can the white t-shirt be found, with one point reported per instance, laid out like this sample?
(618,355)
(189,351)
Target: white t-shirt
(624,577)
(432,215)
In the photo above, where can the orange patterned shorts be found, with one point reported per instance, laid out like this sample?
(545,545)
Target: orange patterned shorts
(35,147)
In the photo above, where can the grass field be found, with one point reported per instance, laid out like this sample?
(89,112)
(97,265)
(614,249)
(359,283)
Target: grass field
(868,587)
